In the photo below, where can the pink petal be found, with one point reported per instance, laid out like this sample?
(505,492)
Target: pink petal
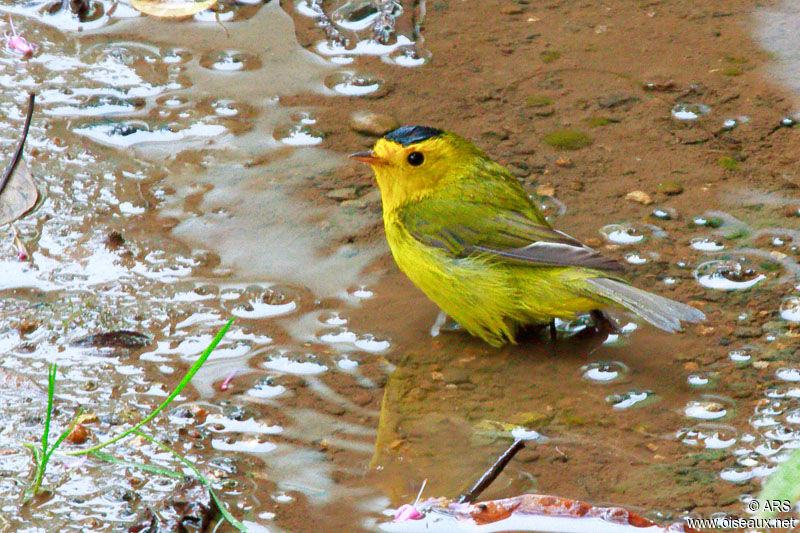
(225,385)
(20,44)
(407,512)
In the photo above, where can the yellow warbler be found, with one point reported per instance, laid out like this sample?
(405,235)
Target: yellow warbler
(465,232)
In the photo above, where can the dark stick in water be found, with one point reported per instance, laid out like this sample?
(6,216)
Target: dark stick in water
(18,154)
(490,475)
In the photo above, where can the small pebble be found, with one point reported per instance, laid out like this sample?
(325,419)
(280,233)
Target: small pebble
(640,197)
(78,435)
(546,190)
(371,123)
(564,162)
(344,193)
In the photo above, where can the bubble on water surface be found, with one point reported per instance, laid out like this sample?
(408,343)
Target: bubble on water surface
(710,436)
(352,84)
(356,15)
(740,355)
(705,244)
(406,57)
(622,234)
(736,475)
(98,105)
(604,371)
(297,135)
(367,342)
(254,309)
(286,365)
(221,424)
(230,61)
(705,409)
(265,390)
(176,56)
(130,133)
(363,47)
(665,213)
(790,309)
(688,111)
(731,123)
(629,399)
(250,445)
(788,374)
(727,275)
(699,380)
(347,364)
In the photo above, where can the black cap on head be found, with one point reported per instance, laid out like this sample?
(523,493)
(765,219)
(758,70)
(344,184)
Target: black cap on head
(412,134)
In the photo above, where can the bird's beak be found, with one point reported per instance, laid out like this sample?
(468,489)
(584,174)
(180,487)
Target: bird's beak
(368,157)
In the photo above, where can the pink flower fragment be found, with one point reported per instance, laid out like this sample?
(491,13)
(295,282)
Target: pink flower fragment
(225,385)
(18,42)
(407,512)
(410,511)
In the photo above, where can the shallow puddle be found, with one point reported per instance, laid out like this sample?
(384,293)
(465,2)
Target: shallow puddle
(173,179)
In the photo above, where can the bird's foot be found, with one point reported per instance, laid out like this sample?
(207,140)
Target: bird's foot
(604,323)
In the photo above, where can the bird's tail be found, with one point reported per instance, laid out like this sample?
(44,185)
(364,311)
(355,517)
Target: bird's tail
(661,312)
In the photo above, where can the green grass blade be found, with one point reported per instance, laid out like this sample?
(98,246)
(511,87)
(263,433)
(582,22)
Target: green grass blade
(158,470)
(40,455)
(51,387)
(185,381)
(783,484)
(225,513)
(64,435)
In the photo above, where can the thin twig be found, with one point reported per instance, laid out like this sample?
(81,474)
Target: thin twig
(18,154)
(490,475)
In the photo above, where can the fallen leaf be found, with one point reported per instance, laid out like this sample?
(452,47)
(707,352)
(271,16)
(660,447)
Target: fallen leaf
(113,339)
(18,193)
(171,8)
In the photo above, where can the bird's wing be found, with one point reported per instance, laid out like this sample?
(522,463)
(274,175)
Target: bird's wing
(464,228)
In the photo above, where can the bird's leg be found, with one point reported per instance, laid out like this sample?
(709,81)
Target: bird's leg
(443,323)
(553,332)
(603,322)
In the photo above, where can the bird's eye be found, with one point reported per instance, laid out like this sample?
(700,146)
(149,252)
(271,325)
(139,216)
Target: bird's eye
(415,159)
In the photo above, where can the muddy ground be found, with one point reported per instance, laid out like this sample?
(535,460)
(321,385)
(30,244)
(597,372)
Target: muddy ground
(506,75)
(366,403)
